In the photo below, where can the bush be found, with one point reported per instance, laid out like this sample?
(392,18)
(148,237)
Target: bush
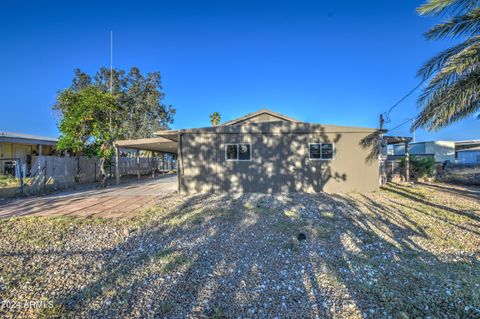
(8,181)
(420,166)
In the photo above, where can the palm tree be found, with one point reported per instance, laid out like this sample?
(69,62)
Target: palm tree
(215,118)
(453,89)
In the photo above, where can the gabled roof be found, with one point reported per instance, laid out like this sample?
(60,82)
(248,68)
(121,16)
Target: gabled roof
(267,127)
(284,124)
(258,113)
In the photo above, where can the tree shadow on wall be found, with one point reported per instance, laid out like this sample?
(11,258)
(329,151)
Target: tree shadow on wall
(279,162)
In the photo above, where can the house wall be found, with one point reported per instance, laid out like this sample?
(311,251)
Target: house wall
(24,151)
(441,150)
(469,157)
(415,149)
(280,163)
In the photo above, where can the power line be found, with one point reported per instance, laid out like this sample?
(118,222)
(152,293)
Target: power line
(386,114)
(401,124)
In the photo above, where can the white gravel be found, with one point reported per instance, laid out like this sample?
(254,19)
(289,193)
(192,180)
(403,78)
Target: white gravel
(399,253)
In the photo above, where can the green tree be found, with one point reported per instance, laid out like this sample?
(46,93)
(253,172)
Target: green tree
(215,118)
(453,90)
(90,122)
(139,96)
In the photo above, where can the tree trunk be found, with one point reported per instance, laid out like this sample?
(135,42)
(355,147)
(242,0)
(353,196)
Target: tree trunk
(102,171)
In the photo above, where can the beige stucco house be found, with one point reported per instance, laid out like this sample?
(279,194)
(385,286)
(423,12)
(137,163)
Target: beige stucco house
(268,152)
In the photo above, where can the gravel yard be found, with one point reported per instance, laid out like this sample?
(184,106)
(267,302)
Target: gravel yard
(402,252)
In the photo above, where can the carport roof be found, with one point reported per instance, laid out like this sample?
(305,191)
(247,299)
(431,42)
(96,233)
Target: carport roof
(156,144)
(397,139)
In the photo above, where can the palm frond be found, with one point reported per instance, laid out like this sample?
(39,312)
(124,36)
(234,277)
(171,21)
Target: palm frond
(452,103)
(436,63)
(456,67)
(435,7)
(467,24)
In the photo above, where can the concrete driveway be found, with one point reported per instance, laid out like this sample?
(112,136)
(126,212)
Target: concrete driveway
(124,200)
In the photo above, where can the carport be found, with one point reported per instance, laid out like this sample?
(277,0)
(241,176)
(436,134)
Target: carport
(160,144)
(392,140)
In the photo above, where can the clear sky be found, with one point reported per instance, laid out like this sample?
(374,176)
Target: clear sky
(332,62)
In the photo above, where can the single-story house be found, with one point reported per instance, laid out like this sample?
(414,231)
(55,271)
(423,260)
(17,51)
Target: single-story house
(22,146)
(269,152)
(441,151)
(469,155)
(465,145)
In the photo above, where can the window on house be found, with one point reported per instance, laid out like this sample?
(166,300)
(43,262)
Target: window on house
(244,152)
(327,151)
(321,151)
(315,151)
(238,152)
(232,151)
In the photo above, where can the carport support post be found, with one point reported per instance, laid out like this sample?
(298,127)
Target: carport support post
(137,155)
(152,163)
(407,161)
(117,165)
(163,163)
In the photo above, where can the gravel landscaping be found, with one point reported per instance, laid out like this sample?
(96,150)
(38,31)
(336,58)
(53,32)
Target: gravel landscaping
(402,252)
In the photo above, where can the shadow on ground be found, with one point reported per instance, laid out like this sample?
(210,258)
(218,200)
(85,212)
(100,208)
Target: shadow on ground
(393,254)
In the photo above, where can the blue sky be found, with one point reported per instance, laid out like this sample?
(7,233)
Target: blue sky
(335,62)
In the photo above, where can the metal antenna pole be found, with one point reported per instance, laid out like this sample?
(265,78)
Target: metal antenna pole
(111,60)
(413,121)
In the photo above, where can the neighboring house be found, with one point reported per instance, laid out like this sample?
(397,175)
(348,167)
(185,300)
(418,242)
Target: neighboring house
(465,145)
(469,155)
(22,146)
(440,150)
(268,152)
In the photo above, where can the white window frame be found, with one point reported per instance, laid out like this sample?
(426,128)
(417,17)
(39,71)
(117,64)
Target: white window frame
(238,152)
(321,159)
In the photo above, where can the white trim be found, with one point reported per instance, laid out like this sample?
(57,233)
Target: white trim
(321,159)
(238,152)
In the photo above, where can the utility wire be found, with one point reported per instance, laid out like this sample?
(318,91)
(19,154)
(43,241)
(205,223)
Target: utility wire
(386,114)
(401,124)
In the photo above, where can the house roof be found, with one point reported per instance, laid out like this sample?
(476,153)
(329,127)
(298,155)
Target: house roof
(468,142)
(258,113)
(477,148)
(268,127)
(11,137)
(284,125)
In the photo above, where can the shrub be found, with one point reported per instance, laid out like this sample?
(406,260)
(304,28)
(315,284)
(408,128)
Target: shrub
(420,166)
